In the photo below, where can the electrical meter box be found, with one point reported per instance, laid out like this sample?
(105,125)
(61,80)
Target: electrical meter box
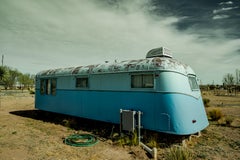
(128,122)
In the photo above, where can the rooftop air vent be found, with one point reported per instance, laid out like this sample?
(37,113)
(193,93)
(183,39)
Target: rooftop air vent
(159,52)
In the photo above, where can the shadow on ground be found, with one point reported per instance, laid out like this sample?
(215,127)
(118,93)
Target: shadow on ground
(103,130)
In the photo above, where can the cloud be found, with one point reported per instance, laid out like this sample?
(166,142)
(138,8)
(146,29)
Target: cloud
(216,11)
(226,3)
(220,16)
(46,34)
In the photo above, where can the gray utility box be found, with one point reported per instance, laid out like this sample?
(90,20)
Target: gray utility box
(128,121)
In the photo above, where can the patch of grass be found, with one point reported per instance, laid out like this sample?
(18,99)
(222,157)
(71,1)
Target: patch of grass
(152,143)
(202,156)
(179,153)
(152,140)
(235,145)
(215,114)
(127,139)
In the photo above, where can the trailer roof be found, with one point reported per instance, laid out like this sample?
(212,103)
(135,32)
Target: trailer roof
(148,64)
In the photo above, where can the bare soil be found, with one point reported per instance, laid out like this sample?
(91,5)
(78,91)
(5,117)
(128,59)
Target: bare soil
(29,134)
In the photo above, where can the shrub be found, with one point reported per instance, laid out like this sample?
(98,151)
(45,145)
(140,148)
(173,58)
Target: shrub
(225,121)
(179,153)
(215,114)
(206,102)
(130,139)
(152,143)
(229,120)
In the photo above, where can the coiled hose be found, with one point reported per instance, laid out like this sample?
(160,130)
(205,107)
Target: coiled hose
(81,140)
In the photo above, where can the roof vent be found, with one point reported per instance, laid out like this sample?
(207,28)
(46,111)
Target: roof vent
(159,52)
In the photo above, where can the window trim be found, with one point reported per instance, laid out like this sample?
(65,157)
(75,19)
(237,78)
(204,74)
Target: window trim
(79,85)
(143,85)
(193,84)
(46,86)
(42,86)
(53,88)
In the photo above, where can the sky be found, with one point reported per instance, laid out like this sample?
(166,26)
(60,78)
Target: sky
(47,34)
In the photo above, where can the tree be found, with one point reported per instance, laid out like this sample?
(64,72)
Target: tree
(228,82)
(2,72)
(26,80)
(9,76)
(228,79)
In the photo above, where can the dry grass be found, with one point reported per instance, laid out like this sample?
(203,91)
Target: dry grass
(26,133)
(179,153)
(215,114)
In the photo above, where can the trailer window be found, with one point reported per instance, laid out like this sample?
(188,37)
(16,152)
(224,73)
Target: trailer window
(48,86)
(142,81)
(82,82)
(42,86)
(53,86)
(193,83)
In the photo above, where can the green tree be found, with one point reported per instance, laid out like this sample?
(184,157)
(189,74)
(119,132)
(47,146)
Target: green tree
(26,80)
(9,77)
(2,72)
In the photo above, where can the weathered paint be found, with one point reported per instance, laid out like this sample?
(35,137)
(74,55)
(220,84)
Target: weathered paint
(171,106)
(148,64)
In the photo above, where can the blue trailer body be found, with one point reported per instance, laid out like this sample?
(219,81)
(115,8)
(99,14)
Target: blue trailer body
(164,89)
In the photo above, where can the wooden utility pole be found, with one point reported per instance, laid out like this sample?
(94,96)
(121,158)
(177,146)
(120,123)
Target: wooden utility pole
(2,59)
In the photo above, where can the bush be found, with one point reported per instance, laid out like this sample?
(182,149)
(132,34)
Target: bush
(179,153)
(226,121)
(229,120)
(215,114)
(130,139)
(206,102)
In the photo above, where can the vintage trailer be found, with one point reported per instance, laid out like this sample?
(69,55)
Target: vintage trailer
(165,90)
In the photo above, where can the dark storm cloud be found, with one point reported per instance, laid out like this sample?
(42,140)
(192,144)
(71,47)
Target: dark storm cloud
(204,14)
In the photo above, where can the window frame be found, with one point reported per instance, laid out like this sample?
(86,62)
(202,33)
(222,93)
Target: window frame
(47,86)
(42,86)
(142,79)
(53,86)
(192,80)
(82,82)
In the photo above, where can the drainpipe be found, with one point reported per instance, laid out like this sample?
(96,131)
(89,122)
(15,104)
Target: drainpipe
(153,151)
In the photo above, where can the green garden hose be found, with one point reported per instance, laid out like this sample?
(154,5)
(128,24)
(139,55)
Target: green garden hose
(81,140)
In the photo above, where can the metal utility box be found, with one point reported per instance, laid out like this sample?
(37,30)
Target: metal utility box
(128,122)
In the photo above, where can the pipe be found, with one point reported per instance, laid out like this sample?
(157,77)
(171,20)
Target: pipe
(139,126)
(153,151)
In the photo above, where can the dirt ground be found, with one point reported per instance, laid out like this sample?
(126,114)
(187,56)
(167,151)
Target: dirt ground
(29,134)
